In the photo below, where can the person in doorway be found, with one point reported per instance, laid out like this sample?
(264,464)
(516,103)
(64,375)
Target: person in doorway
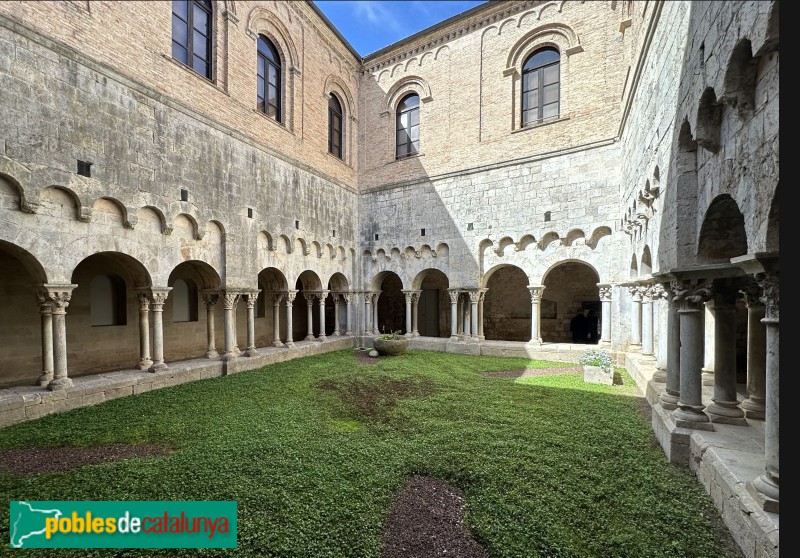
(579,328)
(592,321)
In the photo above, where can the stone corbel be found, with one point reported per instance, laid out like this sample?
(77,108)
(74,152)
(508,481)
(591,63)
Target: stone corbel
(85,214)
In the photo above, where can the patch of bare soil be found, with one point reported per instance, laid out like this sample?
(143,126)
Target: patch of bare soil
(374,399)
(30,461)
(364,359)
(426,520)
(523,372)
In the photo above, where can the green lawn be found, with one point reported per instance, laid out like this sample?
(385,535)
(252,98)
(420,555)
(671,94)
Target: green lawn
(313,450)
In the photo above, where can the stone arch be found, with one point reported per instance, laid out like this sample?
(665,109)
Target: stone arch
(722,234)
(442,250)
(525,241)
(685,192)
(391,302)
(575,236)
(646,266)
(184,323)
(570,289)
(316,248)
(20,273)
(634,269)
(337,284)
(265,241)
(433,305)
(709,121)
(184,228)
(262,21)
(548,239)
(151,219)
(306,306)
(597,235)
(285,243)
(58,201)
(403,86)
(739,85)
(109,211)
(558,35)
(502,243)
(771,31)
(15,187)
(507,304)
(272,284)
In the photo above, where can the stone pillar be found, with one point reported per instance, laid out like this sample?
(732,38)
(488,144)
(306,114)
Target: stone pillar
(766,487)
(59,296)
(250,301)
(229,301)
(708,344)
(348,297)
(459,315)
(276,298)
(753,406)
(467,325)
(415,313)
(144,362)
(691,295)
(157,300)
(536,313)
(409,325)
(660,316)
(454,296)
(605,313)
(367,314)
(290,296)
(335,298)
(671,395)
(474,296)
(725,403)
(321,296)
(210,300)
(647,321)
(481,336)
(46,310)
(310,315)
(375,323)
(636,317)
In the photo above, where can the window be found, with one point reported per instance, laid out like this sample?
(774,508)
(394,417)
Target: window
(335,127)
(107,301)
(269,79)
(541,86)
(408,126)
(191,34)
(184,301)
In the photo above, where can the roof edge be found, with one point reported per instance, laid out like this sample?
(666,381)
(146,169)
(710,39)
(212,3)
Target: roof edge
(336,32)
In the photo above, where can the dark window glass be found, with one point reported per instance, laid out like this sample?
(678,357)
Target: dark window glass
(335,127)
(407,126)
(269,79)
(541,86)
(191,34)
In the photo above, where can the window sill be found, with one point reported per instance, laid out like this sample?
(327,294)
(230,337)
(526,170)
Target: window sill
(548,122)
(406,158)
(204,79)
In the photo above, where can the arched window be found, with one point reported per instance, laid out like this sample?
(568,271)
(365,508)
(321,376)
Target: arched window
(541,86)
(191,34)
(269,79)
(335,127)
(408,126)
(184,301)
(107,301)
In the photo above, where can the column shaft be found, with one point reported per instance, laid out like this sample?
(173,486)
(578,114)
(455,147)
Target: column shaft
(725,406)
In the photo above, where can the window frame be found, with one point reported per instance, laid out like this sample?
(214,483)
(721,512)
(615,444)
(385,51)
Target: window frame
(262,103)
(399,113)
(207,7)
(539,71)
(332,132)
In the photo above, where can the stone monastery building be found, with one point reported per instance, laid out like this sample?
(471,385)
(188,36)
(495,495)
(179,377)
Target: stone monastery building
(194,188)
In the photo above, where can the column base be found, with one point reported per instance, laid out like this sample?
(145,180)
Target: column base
(335,334)
(691,417)
(635,348)
(766,493)
(289,344)
(726,412)
(415,334)
(251,352)
(322,337)
(144,364)
(212,353)
(59,384)
(660,376)
(277,343)
(309,337)
(44,379)
(483,338)
(537,341)
(158,366)
(237,351)
(754,409)
(348,333)
(454,338)
(668,401)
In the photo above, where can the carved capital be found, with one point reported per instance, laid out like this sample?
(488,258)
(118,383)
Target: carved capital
(310,297)
(45,305)
(657,292)
(368,298)
(769,283)
(157,299)
(144,302)
(59,297)
(322,295)
(210,299)
(407,296)
(751,295)
(276,297)
(290,296)
(536,294)
(348,297)
(229,300)
(635,292)
(335,297)
(453,294)
(250,298)
(691,295)
(605,292)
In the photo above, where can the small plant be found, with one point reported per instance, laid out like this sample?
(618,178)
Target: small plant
(596,357)
(394,335)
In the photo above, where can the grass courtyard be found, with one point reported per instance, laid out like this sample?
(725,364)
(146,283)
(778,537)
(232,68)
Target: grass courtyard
(315,449)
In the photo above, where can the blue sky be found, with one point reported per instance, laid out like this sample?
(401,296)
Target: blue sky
(370,25)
